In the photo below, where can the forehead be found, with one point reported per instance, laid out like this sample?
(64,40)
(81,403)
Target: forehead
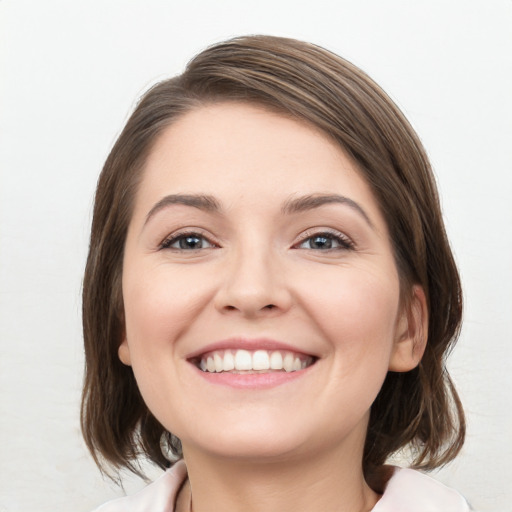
(244,152)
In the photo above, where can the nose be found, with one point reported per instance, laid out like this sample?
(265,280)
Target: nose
(254,285)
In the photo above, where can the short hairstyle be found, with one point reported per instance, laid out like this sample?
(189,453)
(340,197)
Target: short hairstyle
(419,409)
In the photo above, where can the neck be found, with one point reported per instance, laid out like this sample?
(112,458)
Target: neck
(333,481)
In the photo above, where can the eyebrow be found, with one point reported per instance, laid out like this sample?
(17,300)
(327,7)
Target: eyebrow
(296,205)
(310,202)
(202,202)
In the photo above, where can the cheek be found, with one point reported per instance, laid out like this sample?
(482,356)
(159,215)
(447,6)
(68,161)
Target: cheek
(357,315)
(160,306)
(357,311)
(160,303)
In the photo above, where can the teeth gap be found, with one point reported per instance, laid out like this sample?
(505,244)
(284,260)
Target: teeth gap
(254,361)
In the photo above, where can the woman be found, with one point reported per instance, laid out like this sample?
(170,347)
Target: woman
(270,295)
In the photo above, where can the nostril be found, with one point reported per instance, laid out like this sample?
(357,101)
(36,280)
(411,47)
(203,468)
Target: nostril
(269,306)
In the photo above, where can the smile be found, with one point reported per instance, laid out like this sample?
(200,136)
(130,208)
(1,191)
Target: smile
(241,361)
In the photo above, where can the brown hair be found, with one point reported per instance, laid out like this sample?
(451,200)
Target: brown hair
(420,408)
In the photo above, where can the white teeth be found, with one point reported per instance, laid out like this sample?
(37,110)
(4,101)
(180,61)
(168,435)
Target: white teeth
(276,361)
(258,361)
(219,362)
(243,360)
(288,362)
(229,361)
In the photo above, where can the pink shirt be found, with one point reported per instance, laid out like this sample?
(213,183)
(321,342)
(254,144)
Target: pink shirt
(406,491)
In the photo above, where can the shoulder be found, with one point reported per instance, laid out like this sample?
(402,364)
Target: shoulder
(411,490)
(158,496)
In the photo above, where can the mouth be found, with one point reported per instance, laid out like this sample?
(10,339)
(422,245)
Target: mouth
(242,361)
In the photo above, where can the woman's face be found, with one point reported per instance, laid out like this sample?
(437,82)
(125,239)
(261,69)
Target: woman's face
(260,290)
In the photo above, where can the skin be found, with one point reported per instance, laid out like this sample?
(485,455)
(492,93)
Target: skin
(256,272)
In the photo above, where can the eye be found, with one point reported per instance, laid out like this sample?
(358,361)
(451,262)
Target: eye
(186,242)
(326,242)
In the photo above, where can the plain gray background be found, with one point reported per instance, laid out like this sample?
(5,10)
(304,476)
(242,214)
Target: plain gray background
(70,74)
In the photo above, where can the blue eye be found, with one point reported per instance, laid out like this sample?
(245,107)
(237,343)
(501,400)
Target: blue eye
(187,242)
(326,242)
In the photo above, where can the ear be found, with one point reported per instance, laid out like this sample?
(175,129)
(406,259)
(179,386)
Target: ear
(411,333)
(124,352)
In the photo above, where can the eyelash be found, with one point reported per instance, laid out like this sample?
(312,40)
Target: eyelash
(344,243)
(177,237)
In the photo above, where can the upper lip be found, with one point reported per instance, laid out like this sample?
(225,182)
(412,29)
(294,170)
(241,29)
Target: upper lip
(241,343)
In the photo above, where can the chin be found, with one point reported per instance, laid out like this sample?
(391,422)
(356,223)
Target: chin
(255,450)
(252,441)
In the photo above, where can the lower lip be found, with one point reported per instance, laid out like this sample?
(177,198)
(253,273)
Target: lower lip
(252,380)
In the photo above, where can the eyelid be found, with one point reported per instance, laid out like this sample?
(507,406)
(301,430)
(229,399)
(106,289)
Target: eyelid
(184,232)
(346,242)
